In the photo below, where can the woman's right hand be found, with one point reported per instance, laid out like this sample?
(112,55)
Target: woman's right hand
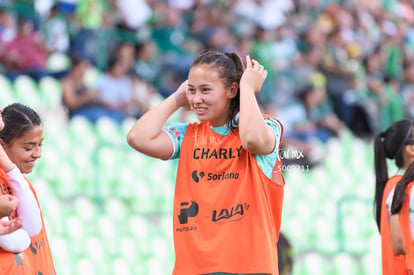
(7,227)
(253,76)
(181,95)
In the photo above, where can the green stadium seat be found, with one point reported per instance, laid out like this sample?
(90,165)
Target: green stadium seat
(165,226)
(144,203)
(109,131)
(161,246)
(75,235)
(62,256)
(82,165)
(85,208)
(94,249)
(6,94)
(312,264)
(155,265)
(122,266)
(128,248)
(81,129)
(297,231)
(58,62)
(325,235)
(357,226)
(51,93)
(344,264)
(56,136)
(86,266)
(371,262)
(139,227)
(116,209)
(355,241)
(109,162)
(106,228)
(69,185)
(126,125)
(26,92)
(54,212)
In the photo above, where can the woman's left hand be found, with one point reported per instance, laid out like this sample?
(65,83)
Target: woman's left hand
(253,76)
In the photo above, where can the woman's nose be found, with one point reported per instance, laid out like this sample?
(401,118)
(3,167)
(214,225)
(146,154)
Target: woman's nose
(37,153)
(197,98)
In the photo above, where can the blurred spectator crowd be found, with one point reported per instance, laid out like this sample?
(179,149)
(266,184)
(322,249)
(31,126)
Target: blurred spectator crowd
(334,66)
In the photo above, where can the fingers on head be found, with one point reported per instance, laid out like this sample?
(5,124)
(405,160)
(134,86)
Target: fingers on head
(248,61)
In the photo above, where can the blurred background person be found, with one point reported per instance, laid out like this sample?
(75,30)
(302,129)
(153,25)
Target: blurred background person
(77,97)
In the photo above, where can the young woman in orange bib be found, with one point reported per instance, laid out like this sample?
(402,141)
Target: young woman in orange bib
(394,143)
(22,138)
(8,203)
(229,187)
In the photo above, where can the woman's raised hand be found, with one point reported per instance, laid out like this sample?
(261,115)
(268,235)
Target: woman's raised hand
(253,76)
(181,95)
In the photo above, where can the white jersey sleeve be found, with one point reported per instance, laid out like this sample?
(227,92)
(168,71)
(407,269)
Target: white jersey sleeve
(27,207)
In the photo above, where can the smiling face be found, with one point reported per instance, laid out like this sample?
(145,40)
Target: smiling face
(26,149)
(208,96)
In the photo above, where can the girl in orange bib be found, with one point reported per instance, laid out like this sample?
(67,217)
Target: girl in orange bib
(402,219)
(394,143)
(229,189)
(22,138)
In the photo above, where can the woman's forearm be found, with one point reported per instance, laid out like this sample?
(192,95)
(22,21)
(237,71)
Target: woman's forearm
(256,137)
(147,136)
(254,132)
(149,126)
(396,236)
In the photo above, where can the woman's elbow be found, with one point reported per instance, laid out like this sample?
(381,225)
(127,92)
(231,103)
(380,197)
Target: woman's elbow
(398,249)
(256,146)
(33,230)
(249,146)
(132,141)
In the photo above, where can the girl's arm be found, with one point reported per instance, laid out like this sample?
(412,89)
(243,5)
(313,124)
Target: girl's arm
(147,136)
(27,207)
(396,237)
(255,136)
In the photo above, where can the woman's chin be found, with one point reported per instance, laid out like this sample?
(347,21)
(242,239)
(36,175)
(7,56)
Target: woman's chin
(26,170)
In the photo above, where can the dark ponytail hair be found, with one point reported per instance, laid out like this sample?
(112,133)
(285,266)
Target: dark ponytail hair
(230,68)
(389,145)
(399,192)
(18,119)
